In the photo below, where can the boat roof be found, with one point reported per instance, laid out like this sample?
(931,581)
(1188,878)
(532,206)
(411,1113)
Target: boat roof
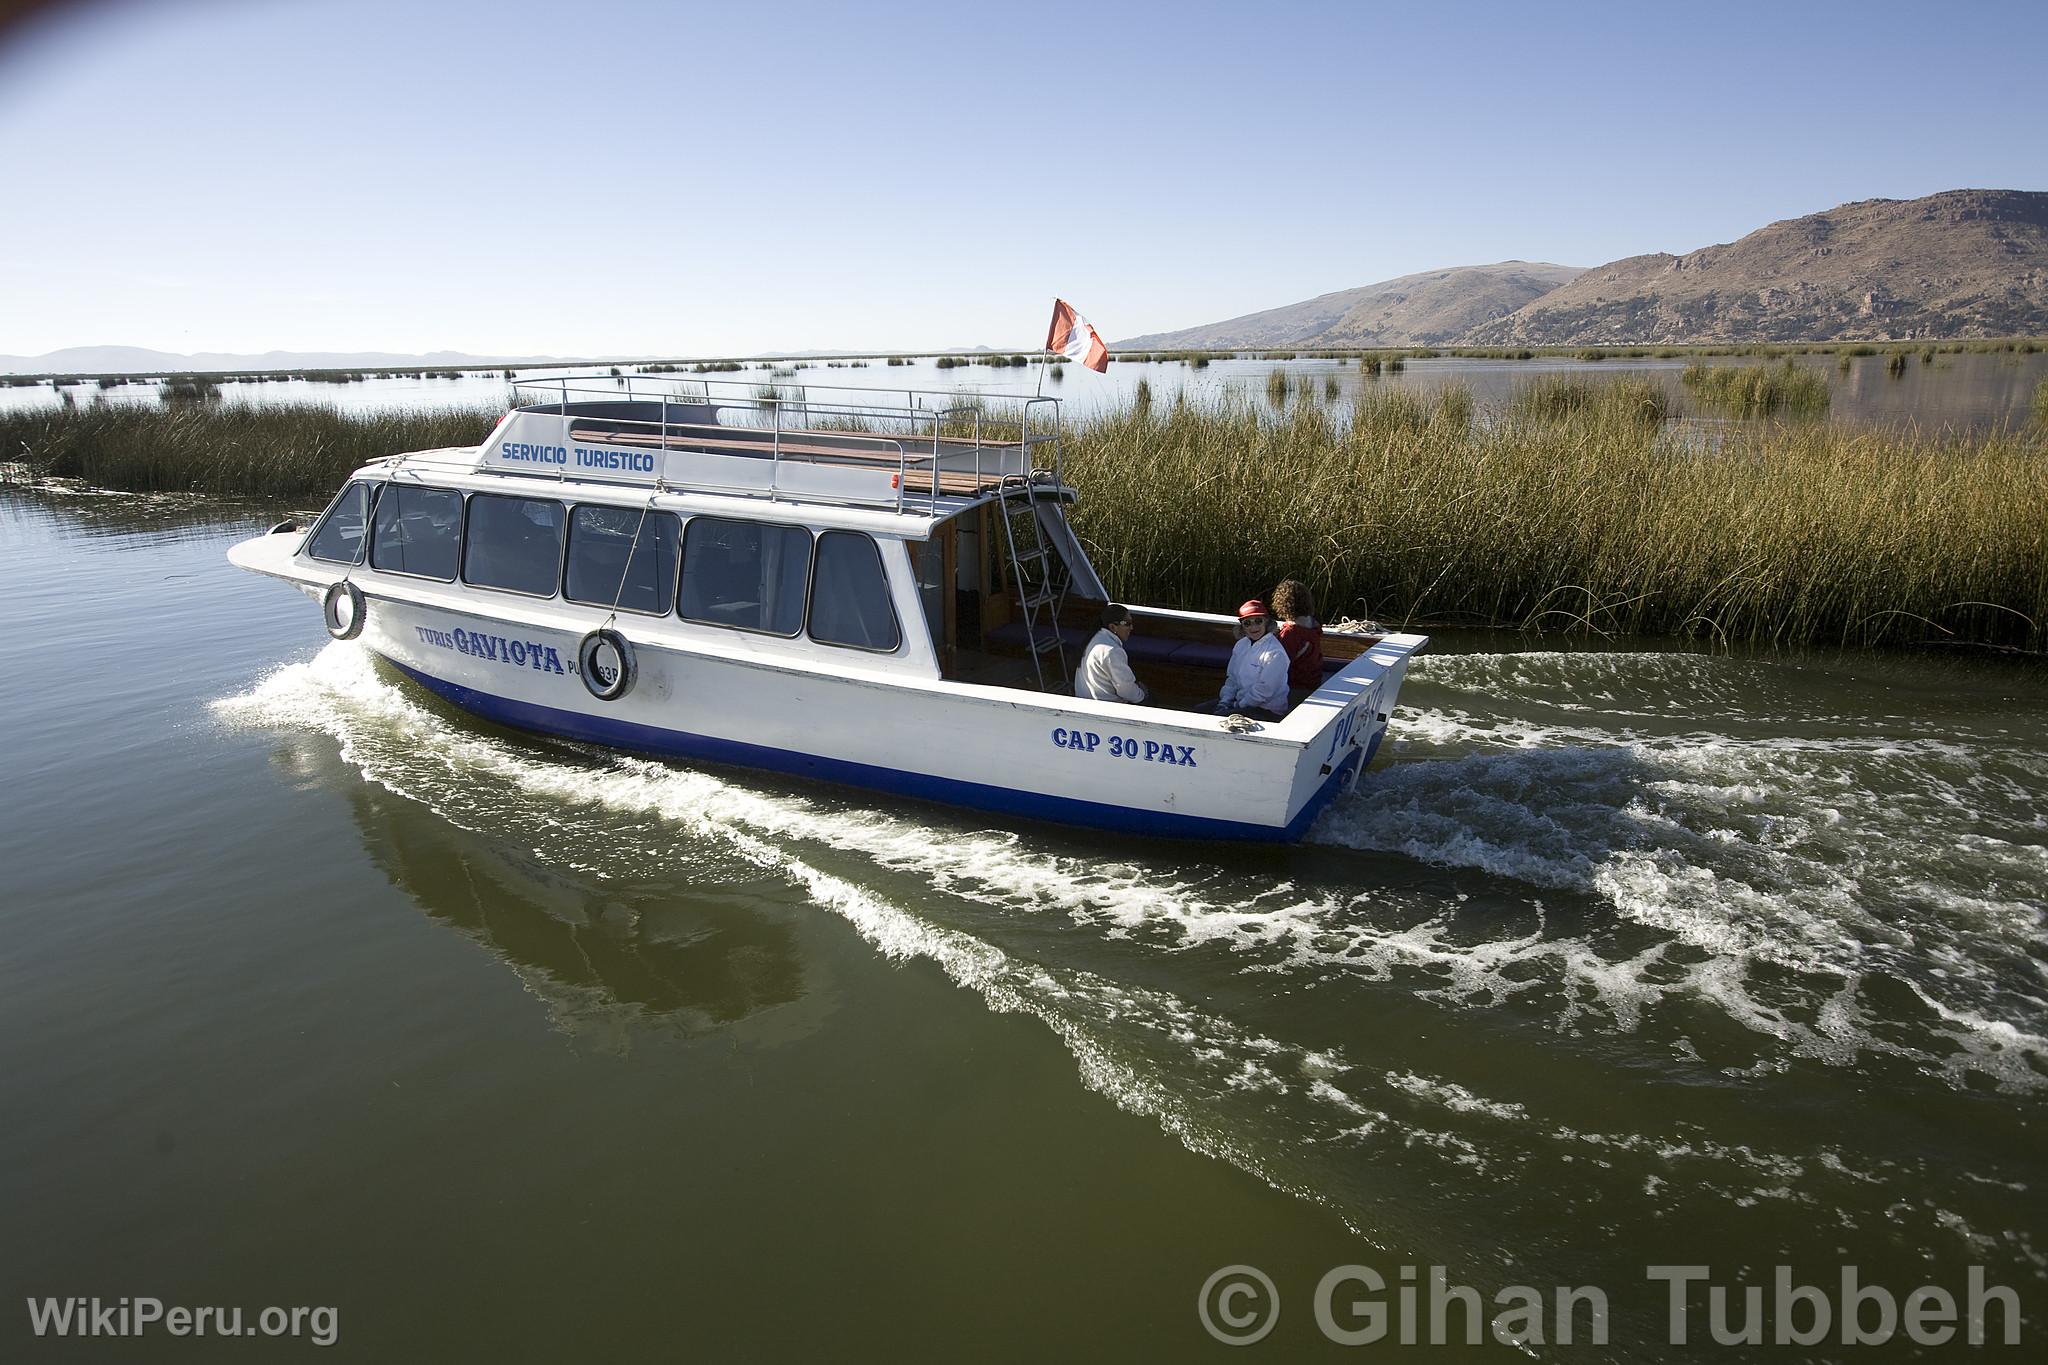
(900,460)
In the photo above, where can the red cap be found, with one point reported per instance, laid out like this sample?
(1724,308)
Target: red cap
(1253,608)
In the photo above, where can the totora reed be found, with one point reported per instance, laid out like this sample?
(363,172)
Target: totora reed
(1578,517)
(1572,511)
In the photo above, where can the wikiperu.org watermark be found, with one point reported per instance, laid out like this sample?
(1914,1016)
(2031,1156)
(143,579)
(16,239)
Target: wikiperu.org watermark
(1355,1305)
(142,1316)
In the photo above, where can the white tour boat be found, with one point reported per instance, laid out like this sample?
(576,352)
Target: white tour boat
(875,588)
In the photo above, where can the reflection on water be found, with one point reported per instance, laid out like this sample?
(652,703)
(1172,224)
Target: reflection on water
(600,957)
(608,956)
(66,509)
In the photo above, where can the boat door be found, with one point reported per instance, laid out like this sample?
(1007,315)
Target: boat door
(939,589)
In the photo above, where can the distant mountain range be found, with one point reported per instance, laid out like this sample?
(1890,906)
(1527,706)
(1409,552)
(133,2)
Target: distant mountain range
(136,360)
(1436,306)
(97,360)
(1963,263)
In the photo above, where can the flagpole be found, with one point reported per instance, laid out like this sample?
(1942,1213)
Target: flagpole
(1045,355)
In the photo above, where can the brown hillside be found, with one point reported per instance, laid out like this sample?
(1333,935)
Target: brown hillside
(1958,264)
(1434,307)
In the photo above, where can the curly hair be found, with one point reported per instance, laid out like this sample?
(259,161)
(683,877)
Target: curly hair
(1292,600)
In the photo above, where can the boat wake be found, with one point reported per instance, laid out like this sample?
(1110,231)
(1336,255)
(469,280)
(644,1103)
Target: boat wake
(1837,861)
(1525,868)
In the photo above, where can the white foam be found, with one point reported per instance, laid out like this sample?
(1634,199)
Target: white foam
(1454,1097)
(1785,851)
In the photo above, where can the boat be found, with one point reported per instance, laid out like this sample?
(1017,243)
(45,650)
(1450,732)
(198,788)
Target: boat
(879,588)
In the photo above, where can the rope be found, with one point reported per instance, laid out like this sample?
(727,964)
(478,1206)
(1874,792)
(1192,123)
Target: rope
(370,517)
(626,571)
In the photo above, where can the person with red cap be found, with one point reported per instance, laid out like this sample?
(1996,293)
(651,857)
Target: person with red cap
(1256,683)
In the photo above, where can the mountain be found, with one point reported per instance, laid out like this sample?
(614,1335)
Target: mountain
(136,360)
(1960,263)
(1432,308)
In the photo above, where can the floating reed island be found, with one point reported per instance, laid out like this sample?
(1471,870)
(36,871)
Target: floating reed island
(1577,507)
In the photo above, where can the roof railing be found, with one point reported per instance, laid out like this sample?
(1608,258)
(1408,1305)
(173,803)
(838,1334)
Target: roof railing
(985,435)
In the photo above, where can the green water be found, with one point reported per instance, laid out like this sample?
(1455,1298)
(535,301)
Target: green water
(315,992)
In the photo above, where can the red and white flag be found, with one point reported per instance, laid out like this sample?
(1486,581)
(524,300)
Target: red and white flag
(1072,337)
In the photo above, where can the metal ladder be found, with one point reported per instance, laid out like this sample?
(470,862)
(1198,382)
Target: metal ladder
(1037,572)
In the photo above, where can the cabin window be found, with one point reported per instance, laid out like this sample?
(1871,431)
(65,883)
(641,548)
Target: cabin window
(746,574)
(338,538)
(850,594)
(513,543)
(417,531)
(606,566)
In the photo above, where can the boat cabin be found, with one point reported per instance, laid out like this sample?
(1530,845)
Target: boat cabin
(812,516)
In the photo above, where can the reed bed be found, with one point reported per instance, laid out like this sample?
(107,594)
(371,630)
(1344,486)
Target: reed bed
(1586,519)
(1628,399)
(1762,389)
(1571,509)
(234,449)
(190,388)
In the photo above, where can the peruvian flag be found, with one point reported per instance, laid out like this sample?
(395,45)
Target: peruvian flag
(1072,337)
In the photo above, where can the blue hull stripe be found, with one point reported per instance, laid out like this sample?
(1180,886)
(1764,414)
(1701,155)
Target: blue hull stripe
(649,739)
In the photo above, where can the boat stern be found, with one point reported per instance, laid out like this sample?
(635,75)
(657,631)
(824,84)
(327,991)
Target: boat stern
(1343,723)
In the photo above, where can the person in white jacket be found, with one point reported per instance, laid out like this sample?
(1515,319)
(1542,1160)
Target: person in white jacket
(1256,683)
(1105,671)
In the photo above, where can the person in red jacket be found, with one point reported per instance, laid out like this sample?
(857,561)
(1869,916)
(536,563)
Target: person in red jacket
(1301,635)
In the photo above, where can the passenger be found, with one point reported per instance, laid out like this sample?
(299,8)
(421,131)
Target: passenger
(1301,635)
(1105,671)
(1256,683)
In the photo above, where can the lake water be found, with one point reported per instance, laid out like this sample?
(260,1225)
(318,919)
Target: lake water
(316,992)
(1961,392)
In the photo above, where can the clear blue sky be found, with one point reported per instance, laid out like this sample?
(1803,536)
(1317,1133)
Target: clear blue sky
(628,179)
